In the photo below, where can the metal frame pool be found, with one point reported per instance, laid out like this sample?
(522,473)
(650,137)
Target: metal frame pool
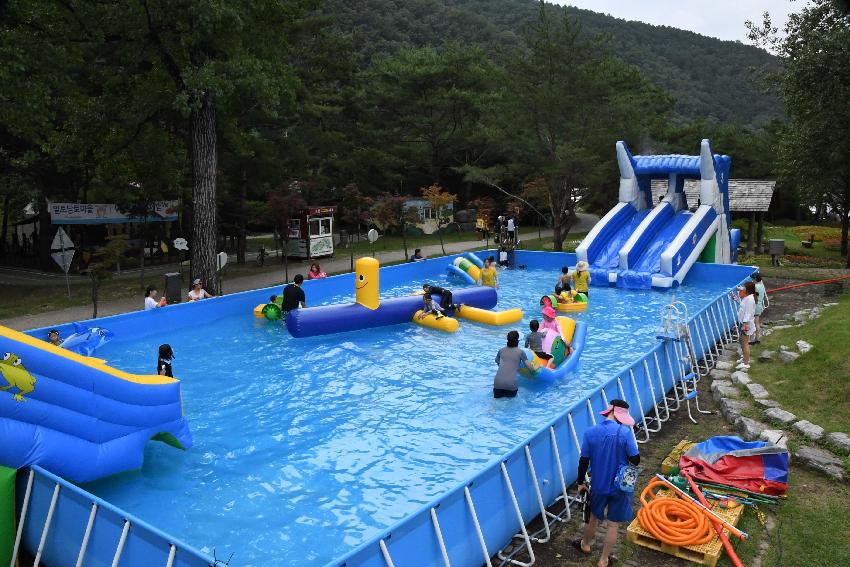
(469,524)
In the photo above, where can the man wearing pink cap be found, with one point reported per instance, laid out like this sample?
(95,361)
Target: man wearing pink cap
(607,447)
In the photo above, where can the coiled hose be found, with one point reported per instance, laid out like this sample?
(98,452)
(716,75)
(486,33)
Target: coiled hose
(673,521)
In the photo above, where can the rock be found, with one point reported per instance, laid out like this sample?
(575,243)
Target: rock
(781,416)
(782,327)
(757,390)
(767,355)
(801,315)
(787,356)
(719,374)
(724,392)
(740,378)
(724,365)
(809,429)
(731,409)
(826,305)
(720,384)
(814,313)
(749,429)
(766,403)
(840,441)
(783,348)
(775,436)
(766,332)
(822,461)
(803,347)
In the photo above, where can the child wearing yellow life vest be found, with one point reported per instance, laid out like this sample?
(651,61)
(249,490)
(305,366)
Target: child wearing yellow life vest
(489,275)
(581,278)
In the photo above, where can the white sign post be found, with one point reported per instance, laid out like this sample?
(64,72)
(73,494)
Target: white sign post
(372,236)
(62,252)
(221,260)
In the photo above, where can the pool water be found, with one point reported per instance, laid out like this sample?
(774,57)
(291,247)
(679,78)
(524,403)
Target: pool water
(304,448)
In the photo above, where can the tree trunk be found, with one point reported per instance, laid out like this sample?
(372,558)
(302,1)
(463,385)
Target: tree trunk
(204,222)
(286,260)
(5,223)
(45,237)
(142,254)
(750,235)
(95,284)
(760,233)
(241,220)
(557,239)
(404,240)
(845,229)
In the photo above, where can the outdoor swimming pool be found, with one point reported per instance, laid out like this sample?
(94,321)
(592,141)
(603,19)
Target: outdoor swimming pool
(304,448)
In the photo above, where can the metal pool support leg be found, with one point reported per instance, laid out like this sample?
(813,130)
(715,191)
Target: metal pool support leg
(573,430)
(643,426)
(717,313)
(46,528)
(667,398)
(663,393)
(386,553)
(563,480)
(86,536)
(543,513)
(708,358)
(604,398)
(120,549)
(518,513)
(477,525)
(590,411)
(727,327)
(736,331)
(22,519)
(439,532)
(171,553)
(657,419)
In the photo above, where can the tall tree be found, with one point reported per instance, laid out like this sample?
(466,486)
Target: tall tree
(439,201)
(569,100)
(815,84)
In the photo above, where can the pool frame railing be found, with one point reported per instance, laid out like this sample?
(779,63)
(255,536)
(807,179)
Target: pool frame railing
(465,526)
(65,525)
(470,525)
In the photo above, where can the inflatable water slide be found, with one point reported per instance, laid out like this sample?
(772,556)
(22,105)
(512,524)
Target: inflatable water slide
(642,244)
(78,417)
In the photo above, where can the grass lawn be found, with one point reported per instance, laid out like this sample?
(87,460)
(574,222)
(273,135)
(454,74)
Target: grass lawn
(813,523)
(817,385)
(825,252)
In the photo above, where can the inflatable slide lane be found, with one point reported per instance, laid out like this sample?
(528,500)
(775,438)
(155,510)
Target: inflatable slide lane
(78,417)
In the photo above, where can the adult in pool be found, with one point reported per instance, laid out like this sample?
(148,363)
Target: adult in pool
(293,295)
(508,358)
(563,283)
(581,277)
(446,301)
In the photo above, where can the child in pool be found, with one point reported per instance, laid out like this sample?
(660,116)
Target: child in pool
(563,281)
(489,275)
(534,341)
(430,306)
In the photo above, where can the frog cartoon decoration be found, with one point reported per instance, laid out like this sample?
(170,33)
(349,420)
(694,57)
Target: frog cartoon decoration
(16,376)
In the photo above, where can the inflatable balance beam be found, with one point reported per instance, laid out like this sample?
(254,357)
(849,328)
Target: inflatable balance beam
(342,318)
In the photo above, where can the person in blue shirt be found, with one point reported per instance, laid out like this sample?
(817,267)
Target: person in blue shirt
(605,448)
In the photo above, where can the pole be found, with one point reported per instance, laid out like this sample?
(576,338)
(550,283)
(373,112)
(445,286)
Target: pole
(65,266)
(724,539)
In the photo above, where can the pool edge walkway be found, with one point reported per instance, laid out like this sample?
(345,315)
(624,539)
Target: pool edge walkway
(339,264)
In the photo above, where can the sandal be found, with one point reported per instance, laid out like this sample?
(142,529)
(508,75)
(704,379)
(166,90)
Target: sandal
(576,543)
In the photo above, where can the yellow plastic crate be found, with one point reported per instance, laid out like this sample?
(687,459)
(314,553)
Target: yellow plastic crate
(671,461)
(705,554)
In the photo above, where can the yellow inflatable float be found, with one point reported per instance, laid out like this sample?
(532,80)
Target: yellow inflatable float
(567,302)
(431,321)
(486,317)
(558,349)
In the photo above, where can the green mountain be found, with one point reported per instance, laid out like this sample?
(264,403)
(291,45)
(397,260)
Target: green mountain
(712,80)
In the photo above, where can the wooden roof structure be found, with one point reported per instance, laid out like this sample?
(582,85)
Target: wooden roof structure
(745,195)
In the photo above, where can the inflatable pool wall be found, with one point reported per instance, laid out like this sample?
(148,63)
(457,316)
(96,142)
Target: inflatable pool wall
(78,417)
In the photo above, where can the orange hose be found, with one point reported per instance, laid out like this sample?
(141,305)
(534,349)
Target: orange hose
(819,282)
(673,520)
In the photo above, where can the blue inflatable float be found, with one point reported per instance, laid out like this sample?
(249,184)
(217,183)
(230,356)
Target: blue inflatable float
(370,311)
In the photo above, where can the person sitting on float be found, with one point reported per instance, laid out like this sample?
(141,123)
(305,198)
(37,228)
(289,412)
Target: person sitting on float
(446,299)
(316,272)
(430,306)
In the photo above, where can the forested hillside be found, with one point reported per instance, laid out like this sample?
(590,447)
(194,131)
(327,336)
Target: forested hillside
(711,80)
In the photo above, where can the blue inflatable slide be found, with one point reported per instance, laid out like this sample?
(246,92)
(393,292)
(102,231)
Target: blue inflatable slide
(78,417)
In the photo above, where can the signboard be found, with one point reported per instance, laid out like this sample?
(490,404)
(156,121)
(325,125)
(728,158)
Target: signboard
(107,213)
(316,211)
(62,250)
(321,246)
